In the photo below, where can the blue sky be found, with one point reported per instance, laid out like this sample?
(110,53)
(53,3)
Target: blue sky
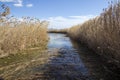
(60,13)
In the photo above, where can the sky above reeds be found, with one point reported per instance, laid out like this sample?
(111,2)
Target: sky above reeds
(60,13)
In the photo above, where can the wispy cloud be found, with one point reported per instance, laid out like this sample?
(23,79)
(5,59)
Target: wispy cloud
(7,0)
(65,22)
(58,19)
(83,17)
(29,5)
(17,3)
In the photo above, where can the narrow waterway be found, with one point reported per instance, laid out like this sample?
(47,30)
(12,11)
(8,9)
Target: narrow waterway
(68,65)
(76,62)
(64,59)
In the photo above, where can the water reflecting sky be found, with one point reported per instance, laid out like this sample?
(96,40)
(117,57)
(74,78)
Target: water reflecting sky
(59,41)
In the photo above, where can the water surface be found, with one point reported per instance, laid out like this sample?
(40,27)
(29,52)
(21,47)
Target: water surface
(84,61)
(64,59)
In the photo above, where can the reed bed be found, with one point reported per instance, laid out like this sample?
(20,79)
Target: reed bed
(64,31)
(21,34)
(102,34)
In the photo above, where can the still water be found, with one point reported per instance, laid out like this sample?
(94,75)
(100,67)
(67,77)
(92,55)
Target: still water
(84,60)
(64,59)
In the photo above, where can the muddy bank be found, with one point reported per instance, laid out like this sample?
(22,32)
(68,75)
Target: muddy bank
(53,64)
(20,66)
(95,63)
(110,65)
(65,66)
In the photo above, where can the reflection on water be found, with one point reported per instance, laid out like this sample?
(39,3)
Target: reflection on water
(64,60)
(63,42)
(91,63)
(59,41)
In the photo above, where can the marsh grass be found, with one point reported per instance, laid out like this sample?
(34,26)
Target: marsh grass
(22,44)
(102,34)
(21,35)
(64,31)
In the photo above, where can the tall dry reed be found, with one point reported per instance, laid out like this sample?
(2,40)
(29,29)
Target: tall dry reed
(102,34)
(21,34)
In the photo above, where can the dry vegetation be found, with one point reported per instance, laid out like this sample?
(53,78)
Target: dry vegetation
(64,31)
(102,34)
(18,35)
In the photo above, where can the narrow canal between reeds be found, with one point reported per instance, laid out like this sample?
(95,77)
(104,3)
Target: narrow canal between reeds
(76,62)
(64,59)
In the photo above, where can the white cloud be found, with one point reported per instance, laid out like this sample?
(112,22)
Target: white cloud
(66,22)
(17,3)
(58,18)
(29,5)
(7,0)
(83,17)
